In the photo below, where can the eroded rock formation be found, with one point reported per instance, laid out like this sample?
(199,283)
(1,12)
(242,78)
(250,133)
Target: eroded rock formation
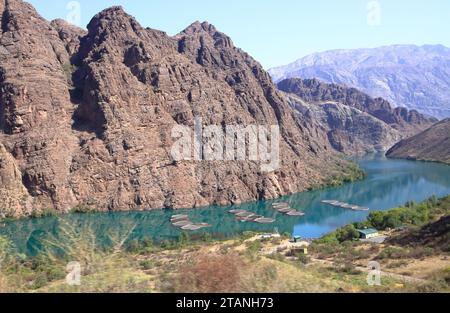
(354,122)
(86,117)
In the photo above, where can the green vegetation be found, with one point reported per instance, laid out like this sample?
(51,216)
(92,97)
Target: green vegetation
(342,234)
(69,69)
(253,247)
(44,213)
(395,252)
(83,209)
(197,263)
(345,172)
(47,212)
(410,215)
(422,238)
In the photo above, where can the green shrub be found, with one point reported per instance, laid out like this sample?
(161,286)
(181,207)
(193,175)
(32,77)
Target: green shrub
(254,246)
(247,235)
(206,237)
(277,256)
(346,267)
(82,208)
(411,213)
(133,246)
(69,69)
(325,250)
(40,281)
(346,233)
(393,253)
(184,239)
(147,264)
(397,264)
(304,259)
(421,252)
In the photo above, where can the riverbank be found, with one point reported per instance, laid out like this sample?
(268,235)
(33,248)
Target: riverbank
(389,183)
(236,265)
(247,263)
(344,173)
(419,160)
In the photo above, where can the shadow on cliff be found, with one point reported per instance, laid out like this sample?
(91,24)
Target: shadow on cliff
(87,116)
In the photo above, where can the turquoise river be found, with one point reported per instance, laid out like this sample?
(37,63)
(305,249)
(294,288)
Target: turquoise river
(389,183)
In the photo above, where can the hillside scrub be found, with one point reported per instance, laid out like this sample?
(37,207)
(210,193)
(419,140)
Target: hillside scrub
(411,215)
(206,265)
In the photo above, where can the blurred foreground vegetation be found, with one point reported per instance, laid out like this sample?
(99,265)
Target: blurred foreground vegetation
(237,265)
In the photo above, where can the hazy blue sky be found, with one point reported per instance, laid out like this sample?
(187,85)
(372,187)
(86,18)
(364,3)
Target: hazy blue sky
(279,32)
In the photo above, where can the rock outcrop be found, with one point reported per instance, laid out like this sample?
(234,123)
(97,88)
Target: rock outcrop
(354,121)
(407,122)
(86,118)
(347,129)
(36,111)
(432,144)
(14,198)
(69,34)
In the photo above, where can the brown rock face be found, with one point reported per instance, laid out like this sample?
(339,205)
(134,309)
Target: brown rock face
(347,129)
(14,199)
(407,122)
(69,34)
(86,118)
(35,111)
(432,144)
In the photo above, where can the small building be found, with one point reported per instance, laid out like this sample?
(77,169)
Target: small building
(296,239)
(270,236)
(368,233)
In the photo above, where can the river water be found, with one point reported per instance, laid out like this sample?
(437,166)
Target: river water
(389,183)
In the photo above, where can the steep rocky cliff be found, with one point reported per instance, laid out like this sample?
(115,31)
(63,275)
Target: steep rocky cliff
(14,198)
(347,129)
(36,111)
(354,121)
(86,117)
(432,144)
(408,122)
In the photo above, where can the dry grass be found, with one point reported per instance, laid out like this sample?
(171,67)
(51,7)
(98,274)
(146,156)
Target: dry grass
(3,284)
(4,250)
(210,273)
(229,266)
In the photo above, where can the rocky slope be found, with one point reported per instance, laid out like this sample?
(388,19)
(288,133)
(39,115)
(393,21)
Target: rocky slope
(405,75)
(354,121)
(347,129)
(408,122)
(435,235)
(86,117)
(432,144)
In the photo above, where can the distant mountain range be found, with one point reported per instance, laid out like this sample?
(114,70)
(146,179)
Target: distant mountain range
(416,77)
(353,121)
(432,144)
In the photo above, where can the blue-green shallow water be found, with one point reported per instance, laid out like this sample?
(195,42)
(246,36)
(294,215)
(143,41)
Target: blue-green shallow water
(389,183)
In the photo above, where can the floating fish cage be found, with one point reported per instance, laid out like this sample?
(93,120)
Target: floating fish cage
(345,205)
(183,222)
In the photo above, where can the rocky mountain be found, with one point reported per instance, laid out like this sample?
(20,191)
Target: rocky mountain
(86,118)
(354,122)
(347,129)
(432,144)
(415,77)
